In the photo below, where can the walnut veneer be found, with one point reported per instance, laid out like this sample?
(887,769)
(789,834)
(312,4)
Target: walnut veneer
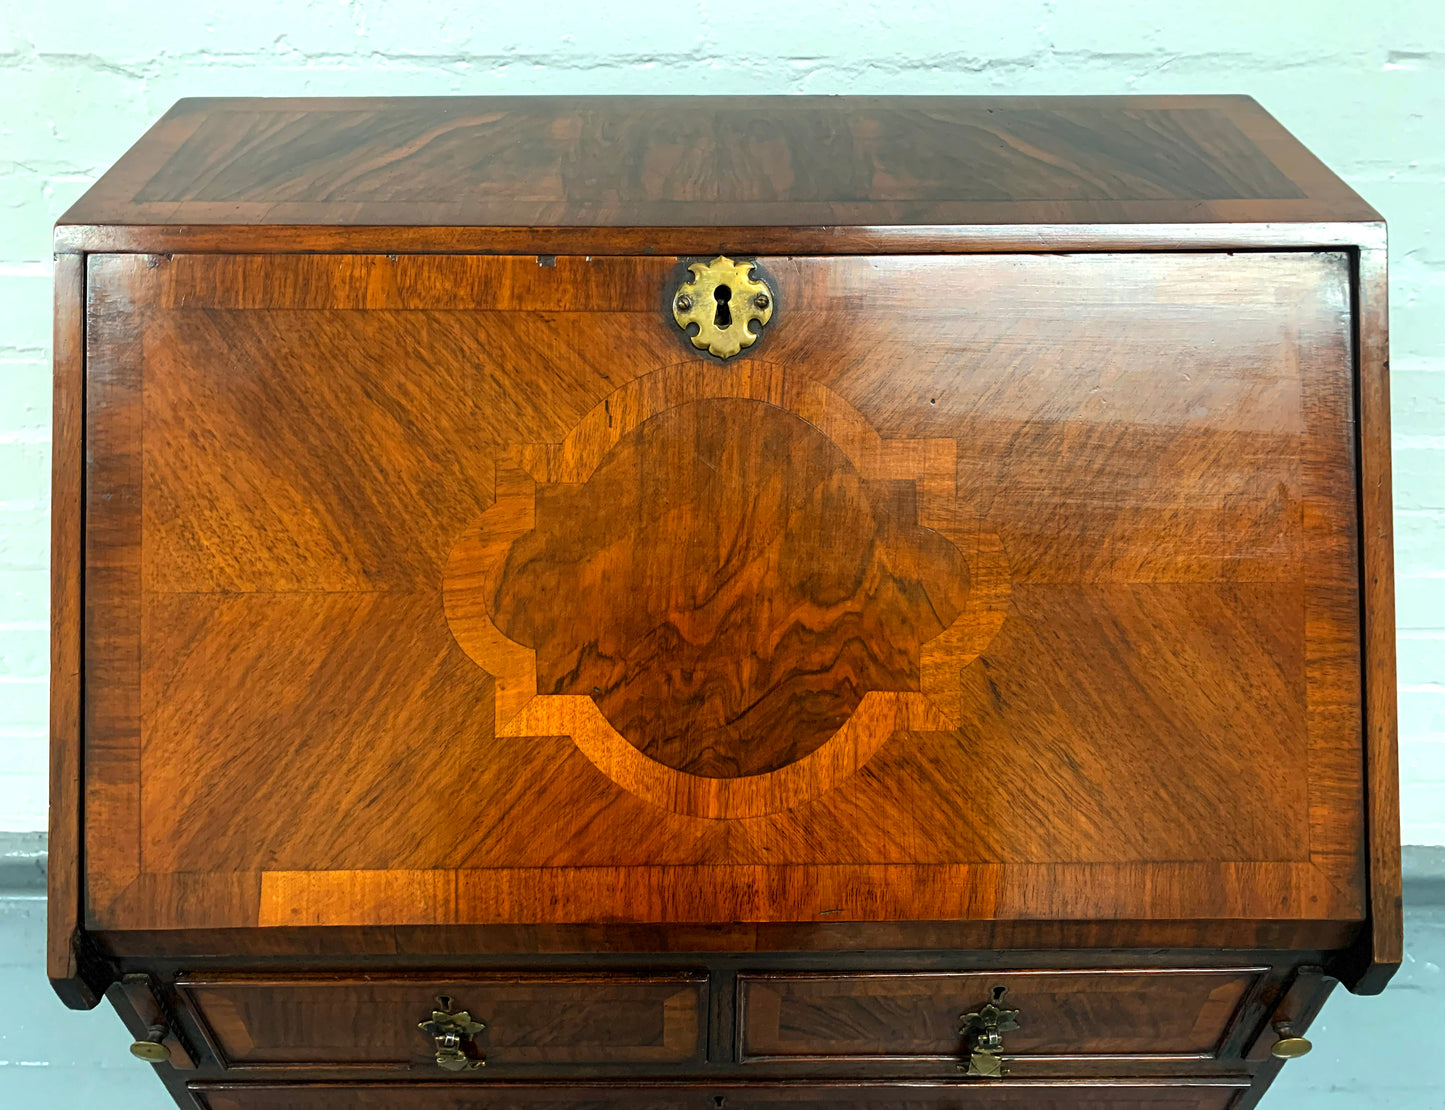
(433,619)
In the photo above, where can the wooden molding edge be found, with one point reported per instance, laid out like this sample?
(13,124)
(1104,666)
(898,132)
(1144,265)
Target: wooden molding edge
(76,973)
(1370,963)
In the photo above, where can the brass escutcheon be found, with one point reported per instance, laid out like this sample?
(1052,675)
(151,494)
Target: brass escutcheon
(452,1032)
(723,300)
(982,1032)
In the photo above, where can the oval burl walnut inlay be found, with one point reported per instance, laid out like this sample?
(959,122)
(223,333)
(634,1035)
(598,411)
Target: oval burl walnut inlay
(726,588)
(730,588)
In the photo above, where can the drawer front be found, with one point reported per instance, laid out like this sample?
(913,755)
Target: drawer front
(972,1096)
(527,1020)
(430,1096)
(1153,1013)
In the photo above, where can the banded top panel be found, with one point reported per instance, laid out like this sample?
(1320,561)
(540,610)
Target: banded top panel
(463,590)
(705,162)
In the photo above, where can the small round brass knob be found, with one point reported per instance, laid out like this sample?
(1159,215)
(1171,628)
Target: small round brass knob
(152,1050)
(1289,1046)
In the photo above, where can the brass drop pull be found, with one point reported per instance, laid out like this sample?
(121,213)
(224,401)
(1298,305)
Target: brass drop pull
(152,1049)
(1289,1046)
(453,1032)
(723,300)
(982,1032)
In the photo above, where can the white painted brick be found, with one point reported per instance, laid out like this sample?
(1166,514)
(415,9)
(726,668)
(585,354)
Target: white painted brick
(24,702)
(24,536)
(1423,761)
(26,807)
(1422,803)
(1413,203)
(132,31)
(70,116)
(24,751)
(24,219)
(1417,399)
(24,473)
(1283,31)
(24,651)
(1420,603)
(1419,472)
(30,203)
(1412,832)
(10,41)
(1417,322)
(25,308)
(24,398)
(1422,713)
(570,34)
(24,596)
(908,37)
(1419,535)
(1420,656)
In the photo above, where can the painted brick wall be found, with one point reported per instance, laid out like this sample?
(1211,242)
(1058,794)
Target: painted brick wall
(1361,84)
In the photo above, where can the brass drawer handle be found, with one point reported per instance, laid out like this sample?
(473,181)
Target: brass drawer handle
(982,1032)
(453,1032)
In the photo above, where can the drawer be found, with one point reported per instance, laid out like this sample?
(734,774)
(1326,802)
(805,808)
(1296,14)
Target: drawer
(1087,1095)
(1181,1014)
(442,1096)
(527,1019)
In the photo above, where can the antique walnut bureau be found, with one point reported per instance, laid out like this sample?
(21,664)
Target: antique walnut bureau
(764,604)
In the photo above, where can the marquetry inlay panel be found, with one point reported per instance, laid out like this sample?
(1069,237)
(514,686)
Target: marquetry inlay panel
(726,587)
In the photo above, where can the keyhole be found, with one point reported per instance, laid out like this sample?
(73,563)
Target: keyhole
(723,318)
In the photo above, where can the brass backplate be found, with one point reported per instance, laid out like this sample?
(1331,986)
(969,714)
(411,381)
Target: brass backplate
(724,300)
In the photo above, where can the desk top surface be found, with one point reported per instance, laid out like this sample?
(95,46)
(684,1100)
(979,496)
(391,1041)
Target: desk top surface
(610,164)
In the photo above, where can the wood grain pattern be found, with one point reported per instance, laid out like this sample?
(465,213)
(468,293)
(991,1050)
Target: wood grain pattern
(1149,451)
(740,162)
(740,588)
(1380,949)
(1162,521)
(736,679)
(76,984)
(111,652)
(1115,234)
(1180,1012)
(598,1020)
(428,611)
(1078,1095)
(390,944)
